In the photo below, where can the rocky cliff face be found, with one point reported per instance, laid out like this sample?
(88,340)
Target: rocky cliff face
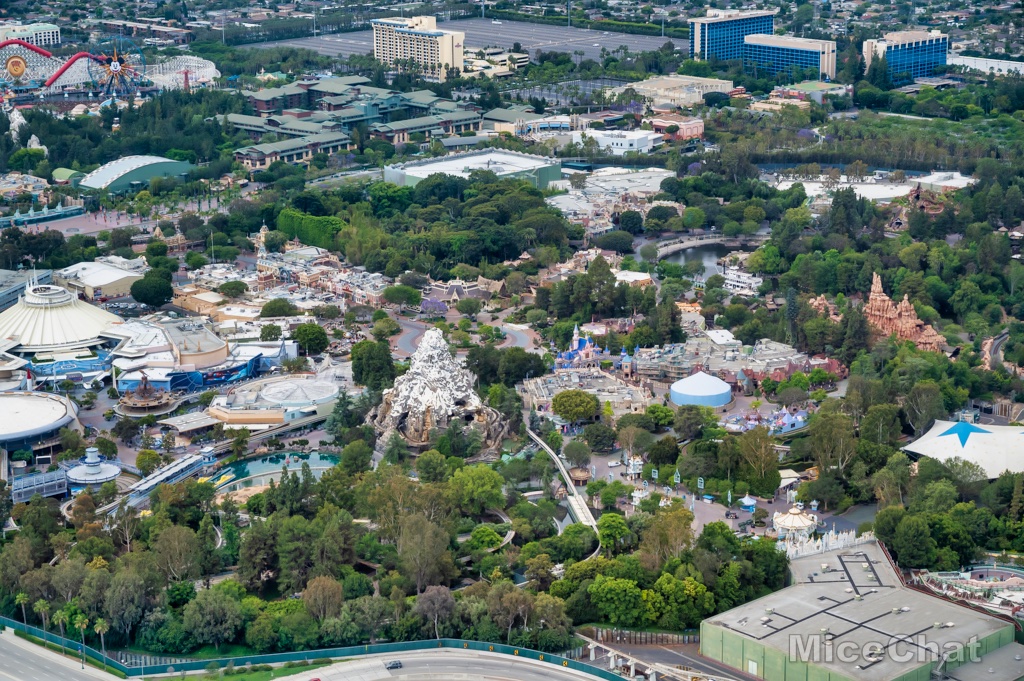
(435,392)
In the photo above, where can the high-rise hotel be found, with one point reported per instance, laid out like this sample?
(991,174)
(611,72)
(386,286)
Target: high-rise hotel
(418,39)
(769,55)
(908,54)
(720,34)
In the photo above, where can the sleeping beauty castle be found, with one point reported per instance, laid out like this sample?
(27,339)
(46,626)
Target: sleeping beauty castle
(584,353)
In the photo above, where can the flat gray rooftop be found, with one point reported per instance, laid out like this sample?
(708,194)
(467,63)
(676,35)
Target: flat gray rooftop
(1005,663)
(853,599)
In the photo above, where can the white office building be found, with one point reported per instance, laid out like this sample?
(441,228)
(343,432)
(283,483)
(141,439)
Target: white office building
(621,142)
(40,35)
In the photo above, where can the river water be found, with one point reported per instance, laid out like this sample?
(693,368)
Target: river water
(706,253)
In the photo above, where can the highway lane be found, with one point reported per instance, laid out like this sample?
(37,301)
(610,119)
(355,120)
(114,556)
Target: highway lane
(448,664)
(24,661)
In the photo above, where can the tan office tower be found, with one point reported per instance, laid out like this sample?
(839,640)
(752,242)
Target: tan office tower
(397,42)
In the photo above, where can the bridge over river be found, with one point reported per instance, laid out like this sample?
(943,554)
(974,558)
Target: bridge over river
(682,243)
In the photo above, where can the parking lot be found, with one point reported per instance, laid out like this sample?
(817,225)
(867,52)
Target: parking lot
(482,33)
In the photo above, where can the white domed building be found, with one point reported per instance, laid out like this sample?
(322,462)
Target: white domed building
(57,336)
(700,389)
(32,421)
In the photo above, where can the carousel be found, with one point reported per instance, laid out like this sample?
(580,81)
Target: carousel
(794,525)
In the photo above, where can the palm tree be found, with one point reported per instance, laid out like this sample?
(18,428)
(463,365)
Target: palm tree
(60,618)
(42,608)
(101,628)
(22,600)
(82,623)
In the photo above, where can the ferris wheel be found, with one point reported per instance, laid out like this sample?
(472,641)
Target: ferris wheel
(117,67)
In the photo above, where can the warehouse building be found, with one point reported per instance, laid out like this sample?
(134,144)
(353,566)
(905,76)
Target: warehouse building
(94,280)
(848,617)
(133,173)
(675,90)
(538,170)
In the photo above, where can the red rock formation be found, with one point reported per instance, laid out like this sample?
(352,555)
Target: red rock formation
(899,320)
(821,305)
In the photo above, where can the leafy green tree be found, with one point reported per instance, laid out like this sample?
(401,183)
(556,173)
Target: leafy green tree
(270,332)
(923,405)
(575,405)
(385,328)
(482,538)
(611,529)
(473,489)
(395,450)
(147,461)
(209,557)
(436,605)
(631,221)
(663,416)
(312,338)
(881,424)
(213,617)
(323,598)
(372,365)
(690,420)
(279,307)
(152,290)
(233,289)
(616,240)
(423,552)
(432,466)
(694,218)
(600,437)
(577,454)
(402,295)
(687,601)
(664,452)
(194,260)
(101,628)
(619,601)
(469,306)
(913,543)
(125,601)
(356,456)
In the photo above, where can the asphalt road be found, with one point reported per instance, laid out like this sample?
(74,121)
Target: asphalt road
(23,661)
(682,655)
(482,33)
(449,664)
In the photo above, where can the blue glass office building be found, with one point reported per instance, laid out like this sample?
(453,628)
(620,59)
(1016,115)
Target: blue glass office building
(770,55)
(721,37)
(909,54)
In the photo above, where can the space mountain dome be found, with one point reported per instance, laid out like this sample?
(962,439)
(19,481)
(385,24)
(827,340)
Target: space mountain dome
(52,318)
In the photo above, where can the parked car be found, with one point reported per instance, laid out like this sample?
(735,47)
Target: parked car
(614,464)
(393,664)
